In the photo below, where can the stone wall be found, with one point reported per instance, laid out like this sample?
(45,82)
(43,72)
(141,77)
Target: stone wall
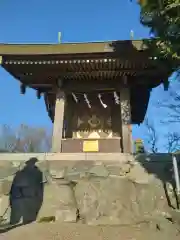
(90,192)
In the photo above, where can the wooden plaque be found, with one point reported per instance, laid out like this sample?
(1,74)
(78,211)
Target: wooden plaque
(91,146)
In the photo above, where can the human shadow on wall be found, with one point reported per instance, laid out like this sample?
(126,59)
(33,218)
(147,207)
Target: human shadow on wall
(161,166)
(26,195)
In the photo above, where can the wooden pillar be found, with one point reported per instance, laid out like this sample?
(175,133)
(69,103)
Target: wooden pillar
(58,122)
(126,120)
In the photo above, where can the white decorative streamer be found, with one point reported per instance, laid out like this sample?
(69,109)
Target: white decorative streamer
(100,99)
(87,100)
(116,98)
(74,97)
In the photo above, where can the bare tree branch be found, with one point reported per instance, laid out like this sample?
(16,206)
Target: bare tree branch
(172,105)
(173,139)
(25,139)
(152,137)
(173,143)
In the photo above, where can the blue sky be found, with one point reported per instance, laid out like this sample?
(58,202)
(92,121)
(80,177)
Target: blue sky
(39,21)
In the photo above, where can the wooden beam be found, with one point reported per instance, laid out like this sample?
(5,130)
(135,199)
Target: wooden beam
(90,85)
(35,73)
(71,48)
(49,78)
(126,119)
(58,122)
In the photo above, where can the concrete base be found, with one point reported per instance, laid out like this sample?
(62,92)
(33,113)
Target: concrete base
(118,157)
(122,157)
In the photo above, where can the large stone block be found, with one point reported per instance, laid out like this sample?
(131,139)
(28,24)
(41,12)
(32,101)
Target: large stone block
(7,169)
(4,209)
(117,201)
(66,214)
(74,170)
(80,169)
(139,174)
(175,215)
(5,163)
(99,171)
(59,169)
(58,201)
(5,185)
(118,170)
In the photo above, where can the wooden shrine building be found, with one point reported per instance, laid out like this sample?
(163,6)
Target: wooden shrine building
(93,92)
